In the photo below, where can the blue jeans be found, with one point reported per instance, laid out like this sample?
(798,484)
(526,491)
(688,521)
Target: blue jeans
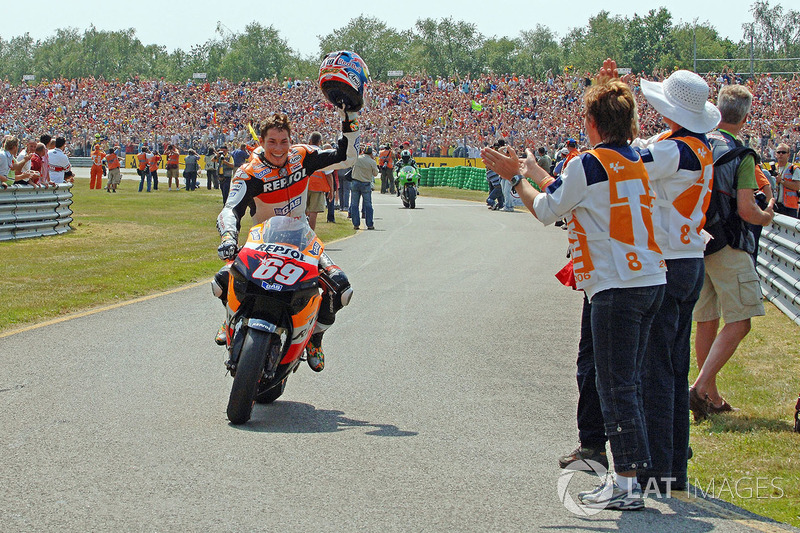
(358,190)
(621,320)
(591,430)
(666,374)
(142,175)
(496,193)
(508,200)
(154,175)
(344,194)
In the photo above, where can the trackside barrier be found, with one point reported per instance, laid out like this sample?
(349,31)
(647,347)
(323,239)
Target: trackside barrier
(472,178)
(27,211)
(779,265)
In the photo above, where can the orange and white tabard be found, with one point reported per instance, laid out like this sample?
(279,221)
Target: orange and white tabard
(606,195)
(680,168)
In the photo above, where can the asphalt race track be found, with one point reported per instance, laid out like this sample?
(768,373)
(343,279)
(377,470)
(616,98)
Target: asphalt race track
(448,394)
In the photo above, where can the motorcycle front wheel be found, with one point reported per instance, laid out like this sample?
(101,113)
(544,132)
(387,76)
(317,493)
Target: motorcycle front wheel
(256,346)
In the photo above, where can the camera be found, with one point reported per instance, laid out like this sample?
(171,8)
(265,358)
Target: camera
(761,199)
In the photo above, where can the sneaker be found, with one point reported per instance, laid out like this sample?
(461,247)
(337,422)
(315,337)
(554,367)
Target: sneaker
(356,227)
(609,495)
(316,357)
(370,227)
(222,334)
(576,460)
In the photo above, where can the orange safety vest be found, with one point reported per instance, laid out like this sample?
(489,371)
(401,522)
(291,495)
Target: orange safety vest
(385,159)
(173,158)
(154,161)
(790,198)
(97,157)
(142,157)
(318,181)
(112,160)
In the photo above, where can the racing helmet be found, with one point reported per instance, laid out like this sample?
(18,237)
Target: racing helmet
(405,155)
(342,78)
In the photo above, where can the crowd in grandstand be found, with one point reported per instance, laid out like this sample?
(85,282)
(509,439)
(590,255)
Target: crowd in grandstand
(440,117)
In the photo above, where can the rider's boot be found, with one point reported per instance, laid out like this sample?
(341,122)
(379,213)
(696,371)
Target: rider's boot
(222,334)
(315,355)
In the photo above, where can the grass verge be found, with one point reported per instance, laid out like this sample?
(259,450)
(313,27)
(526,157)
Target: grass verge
(125,245)
(749,457)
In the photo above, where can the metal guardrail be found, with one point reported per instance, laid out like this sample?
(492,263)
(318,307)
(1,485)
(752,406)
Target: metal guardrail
(27,211)
(779,265)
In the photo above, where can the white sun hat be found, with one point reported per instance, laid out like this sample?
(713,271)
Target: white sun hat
(683,98)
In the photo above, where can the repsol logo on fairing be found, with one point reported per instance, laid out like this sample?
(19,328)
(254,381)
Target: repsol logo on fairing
(283,183)
(278,249)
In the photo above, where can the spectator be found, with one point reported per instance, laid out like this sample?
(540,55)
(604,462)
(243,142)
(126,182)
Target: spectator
(495,200)
(544,160)
(98,168)
(114,172)
(622,278)
(788,181)
(730,286)
(142,168)
(212,169)
(173,162)
(364,171)
(153,161)
(386,165)
(679,166)
(320,187)
(59,162)
(345,178)
(190,170)
(226,168)
(240,155)
(49,143)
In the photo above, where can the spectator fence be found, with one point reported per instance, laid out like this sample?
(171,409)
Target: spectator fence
(779,265)
(27,211)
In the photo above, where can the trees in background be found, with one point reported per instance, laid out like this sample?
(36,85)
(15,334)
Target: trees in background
(443,47)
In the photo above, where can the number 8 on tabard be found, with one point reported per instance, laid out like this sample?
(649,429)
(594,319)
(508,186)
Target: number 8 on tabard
(282,272)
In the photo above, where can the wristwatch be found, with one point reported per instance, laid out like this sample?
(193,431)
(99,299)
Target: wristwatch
(516,179)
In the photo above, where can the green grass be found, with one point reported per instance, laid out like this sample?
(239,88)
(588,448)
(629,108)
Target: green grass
(755,444)
(131,244)
(125,245)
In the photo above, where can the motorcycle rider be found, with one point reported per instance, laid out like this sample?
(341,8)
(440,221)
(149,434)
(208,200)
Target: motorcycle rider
(275,181)
(404,161)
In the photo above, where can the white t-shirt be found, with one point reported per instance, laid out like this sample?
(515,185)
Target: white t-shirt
(59,164)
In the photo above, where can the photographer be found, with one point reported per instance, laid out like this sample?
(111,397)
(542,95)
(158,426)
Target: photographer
(226,168)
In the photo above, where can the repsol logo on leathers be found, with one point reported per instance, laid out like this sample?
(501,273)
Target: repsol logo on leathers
(283,183)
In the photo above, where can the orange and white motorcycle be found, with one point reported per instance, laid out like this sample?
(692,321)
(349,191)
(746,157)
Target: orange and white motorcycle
(274,296)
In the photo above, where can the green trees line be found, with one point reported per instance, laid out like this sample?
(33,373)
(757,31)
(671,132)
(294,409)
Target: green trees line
(442,47)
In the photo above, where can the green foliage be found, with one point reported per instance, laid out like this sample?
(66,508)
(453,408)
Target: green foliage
(382,47)
(448,47)
(438,47)
(539,51)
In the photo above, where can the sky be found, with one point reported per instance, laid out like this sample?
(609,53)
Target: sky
(181,24)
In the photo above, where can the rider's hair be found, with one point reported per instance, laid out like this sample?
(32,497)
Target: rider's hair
(276,121)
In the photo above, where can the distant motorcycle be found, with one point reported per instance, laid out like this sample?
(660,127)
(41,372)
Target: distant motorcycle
(273,299)
(408,185)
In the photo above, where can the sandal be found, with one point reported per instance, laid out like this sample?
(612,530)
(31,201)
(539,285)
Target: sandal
(724,408)
(699,406)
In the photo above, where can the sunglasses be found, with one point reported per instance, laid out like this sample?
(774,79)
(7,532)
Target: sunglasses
(781,152)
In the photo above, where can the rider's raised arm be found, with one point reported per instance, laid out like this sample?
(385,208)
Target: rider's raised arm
(346,151)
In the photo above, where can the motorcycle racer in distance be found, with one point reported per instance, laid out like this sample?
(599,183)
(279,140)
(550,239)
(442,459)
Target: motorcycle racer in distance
(404,161)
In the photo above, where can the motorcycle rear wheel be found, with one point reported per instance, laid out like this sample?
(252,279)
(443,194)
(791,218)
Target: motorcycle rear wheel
(254,352)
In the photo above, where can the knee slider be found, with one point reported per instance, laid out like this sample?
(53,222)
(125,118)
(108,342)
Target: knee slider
(219,285)
(335,283)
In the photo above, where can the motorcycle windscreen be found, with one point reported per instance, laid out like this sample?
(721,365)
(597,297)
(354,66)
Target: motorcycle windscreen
(281,255)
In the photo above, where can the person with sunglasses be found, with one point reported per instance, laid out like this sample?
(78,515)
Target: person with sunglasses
(788,180)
